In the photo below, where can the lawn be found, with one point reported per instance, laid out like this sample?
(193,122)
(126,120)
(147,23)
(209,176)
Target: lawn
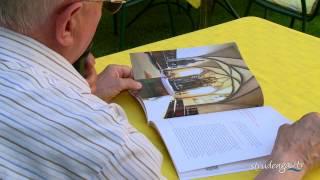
(154,25)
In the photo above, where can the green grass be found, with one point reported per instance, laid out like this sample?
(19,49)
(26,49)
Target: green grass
(154,25)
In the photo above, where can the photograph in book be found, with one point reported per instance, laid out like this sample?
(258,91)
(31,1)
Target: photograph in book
(196,80)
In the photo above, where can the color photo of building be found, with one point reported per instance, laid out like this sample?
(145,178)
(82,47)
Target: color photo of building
(215,80)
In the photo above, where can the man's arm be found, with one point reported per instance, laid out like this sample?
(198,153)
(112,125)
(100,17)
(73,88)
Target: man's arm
(139,159)
(299,142)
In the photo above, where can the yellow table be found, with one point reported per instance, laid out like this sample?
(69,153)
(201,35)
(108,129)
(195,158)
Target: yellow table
(285,62)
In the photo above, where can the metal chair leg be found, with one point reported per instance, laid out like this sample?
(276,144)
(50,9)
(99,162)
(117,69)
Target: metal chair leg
(123,15)
(248,8)
(292,22)
(304,15)
(265,15)
(178,9)
(115,24)
(123,25)
(173,32)
(205,14)
(141,13)
(189,7)
(304,22)
(233,12)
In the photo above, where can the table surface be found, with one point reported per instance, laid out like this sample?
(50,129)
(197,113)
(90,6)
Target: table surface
(285,62)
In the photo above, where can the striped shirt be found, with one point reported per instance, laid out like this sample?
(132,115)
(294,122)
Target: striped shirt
(52,127)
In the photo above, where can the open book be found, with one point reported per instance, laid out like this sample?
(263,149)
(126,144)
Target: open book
(207,107)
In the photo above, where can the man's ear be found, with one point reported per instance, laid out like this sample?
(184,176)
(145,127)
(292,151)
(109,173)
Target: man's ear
(66,24)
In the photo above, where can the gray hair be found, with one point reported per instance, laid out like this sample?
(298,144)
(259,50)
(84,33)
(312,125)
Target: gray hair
(23,15)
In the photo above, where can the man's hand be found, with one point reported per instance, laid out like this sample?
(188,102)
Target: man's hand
(113,80)
(297,142)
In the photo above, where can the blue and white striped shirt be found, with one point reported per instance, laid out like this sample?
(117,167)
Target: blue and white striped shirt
(52,127)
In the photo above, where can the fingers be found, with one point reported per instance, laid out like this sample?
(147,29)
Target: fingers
(90,73)
(129,84)
(313,116)
(125,72)
(113,80)
(90,62)
(89,66)
(282,130)
(147,75)
(310,121)
(92,80)
(122,71)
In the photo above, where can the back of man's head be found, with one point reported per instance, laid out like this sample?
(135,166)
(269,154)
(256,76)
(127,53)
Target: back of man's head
(65,26)
(24,15)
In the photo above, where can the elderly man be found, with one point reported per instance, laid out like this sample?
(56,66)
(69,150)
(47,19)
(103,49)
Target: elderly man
(54,124)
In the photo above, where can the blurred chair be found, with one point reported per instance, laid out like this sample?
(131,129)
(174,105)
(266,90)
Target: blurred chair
(122,14)
(228,7)
(304,10)
(207,7)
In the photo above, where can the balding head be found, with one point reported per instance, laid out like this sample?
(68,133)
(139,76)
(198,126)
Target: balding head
(65,26)
(24,15)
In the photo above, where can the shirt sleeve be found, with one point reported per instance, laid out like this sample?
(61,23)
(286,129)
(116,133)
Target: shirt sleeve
(138,157)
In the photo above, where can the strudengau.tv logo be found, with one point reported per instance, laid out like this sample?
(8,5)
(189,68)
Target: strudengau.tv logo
(283,167)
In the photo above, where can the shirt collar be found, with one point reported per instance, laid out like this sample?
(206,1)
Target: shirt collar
(37,53)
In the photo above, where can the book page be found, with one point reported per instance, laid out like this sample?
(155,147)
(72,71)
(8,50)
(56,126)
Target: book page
(207,140)
(194,81)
